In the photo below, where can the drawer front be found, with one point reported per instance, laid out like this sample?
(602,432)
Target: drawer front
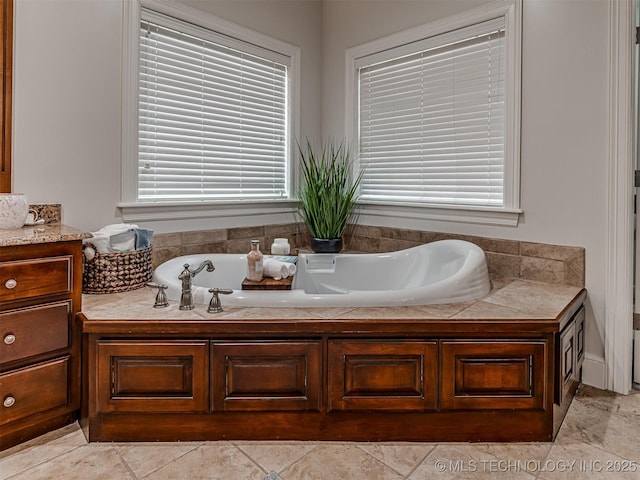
(33,331)
(150,376)
(35,389)
(265,376)
(22,279)
(382,375)
(492,375)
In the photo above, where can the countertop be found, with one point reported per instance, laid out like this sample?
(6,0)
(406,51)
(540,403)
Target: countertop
(519,301)
(28,235)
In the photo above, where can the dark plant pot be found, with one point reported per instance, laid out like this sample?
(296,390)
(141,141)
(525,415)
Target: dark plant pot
(326,245)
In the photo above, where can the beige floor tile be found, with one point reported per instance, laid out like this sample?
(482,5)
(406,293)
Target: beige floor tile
(609,401)
(402,457)
(462,461)
(144,458)
(214,461)
(81,463)
(338,462)
(275,456)
(578,460)
(608,431)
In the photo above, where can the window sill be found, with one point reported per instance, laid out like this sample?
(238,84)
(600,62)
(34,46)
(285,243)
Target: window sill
(162,211)
(442,213)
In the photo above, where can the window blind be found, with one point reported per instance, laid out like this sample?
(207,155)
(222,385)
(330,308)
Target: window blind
(212,118)
(432,122)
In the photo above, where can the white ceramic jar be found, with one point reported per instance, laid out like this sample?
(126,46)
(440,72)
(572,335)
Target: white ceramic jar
(13,210)
(280,246)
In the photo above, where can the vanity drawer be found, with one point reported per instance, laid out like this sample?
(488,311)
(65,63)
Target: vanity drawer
(22,279)
(33,331)
(35,389)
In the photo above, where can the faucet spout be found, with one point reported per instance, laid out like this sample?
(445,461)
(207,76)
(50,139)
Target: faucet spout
(186,299)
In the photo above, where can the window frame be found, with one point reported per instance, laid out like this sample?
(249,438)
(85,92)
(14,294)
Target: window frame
(134,210)
(508,215)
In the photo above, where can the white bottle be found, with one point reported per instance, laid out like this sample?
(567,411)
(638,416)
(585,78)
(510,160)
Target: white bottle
(280,246)
(254,262)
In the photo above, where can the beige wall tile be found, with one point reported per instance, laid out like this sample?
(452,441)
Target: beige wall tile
(167,240)
(401,234)
(161,255)
(574,270)
(245,232)
(552,252)
(542,270)
(204,236)
(243,245)
(502,265)
(284,230)
(392,244)
(214,247)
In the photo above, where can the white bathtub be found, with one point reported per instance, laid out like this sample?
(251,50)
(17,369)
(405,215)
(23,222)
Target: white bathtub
(439,272)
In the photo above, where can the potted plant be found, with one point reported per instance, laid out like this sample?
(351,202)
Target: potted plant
(328,193)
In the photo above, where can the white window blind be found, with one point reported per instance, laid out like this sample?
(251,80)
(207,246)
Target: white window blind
(432,120)
(212,115)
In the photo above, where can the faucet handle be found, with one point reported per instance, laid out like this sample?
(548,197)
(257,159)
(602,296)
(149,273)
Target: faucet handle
(161,296)
(214,305)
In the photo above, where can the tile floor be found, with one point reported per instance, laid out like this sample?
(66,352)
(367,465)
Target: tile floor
(600,439)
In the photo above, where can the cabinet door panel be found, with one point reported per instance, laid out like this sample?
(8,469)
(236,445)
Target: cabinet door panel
(492,375)
(34,331)
(382,375)
(263,376)
(34,389)
(32,278)
(150,376)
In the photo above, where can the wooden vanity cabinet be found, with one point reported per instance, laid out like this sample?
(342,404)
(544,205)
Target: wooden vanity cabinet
(40,295)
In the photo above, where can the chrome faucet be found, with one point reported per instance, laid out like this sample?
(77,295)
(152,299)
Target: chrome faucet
(186,299)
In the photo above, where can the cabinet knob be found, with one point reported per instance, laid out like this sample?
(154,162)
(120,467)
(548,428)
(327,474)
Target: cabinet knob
(9,401)
(11,283)
(9,338)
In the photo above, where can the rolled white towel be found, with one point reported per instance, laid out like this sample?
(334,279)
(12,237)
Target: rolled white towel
(277,269)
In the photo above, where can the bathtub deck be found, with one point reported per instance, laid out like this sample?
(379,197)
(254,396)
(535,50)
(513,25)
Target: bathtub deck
(486,370)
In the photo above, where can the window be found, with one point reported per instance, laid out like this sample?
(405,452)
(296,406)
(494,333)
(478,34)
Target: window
(436,115)
(213,110)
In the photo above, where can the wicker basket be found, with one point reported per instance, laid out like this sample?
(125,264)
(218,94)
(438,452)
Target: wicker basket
(116,272)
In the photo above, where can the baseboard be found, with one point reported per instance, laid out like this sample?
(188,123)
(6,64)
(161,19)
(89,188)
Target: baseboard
(594,371)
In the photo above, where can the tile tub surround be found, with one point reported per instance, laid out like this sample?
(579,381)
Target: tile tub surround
(556,264)
(518,300)
(519,322)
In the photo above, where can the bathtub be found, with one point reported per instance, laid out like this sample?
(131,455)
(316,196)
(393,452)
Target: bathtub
(439,272)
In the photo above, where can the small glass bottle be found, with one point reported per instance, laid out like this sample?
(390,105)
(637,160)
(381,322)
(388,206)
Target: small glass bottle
(280,246)
(254,262)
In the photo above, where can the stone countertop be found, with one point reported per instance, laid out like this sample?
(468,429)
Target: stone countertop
(518,300)
(29,235)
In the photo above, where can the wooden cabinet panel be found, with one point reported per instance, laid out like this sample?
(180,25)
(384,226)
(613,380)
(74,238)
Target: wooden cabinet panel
(148,376)
(34,389)
(382,375)
(22,279)
(35,330)
(579,321)
(264,376)
(492,375)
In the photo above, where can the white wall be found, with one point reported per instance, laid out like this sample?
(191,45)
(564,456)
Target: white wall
(67,107)
(67,99)
(564,121)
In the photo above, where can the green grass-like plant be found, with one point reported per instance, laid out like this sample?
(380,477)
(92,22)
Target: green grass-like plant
(328,189)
